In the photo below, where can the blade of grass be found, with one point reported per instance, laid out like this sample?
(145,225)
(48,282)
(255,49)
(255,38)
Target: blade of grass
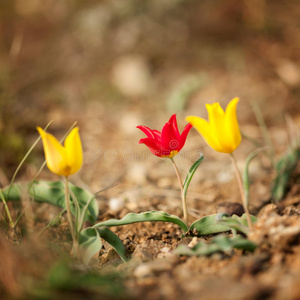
(24,158)
(264,129)
(54,221)
(246,179)
(7,210)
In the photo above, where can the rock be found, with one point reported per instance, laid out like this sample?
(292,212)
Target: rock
(231,208)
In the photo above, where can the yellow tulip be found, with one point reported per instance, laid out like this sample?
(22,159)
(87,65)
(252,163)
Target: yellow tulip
(62,160)
(221,131)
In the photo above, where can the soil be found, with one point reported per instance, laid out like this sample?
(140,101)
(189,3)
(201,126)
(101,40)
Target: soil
(112,66)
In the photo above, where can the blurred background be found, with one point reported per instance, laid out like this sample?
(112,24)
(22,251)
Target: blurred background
(113,65)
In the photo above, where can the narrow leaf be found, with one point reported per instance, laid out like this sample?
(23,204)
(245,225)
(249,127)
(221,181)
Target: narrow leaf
(237,223)
(190,174)
(89,243)
(113,240)
(150,216)
(208,225)
(220,243)
(83,213)
(284,171)
(243,244)
(246,178)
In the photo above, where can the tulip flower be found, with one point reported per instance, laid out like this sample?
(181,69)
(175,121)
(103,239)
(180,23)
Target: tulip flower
(168,142)
(62,160)
(222,131)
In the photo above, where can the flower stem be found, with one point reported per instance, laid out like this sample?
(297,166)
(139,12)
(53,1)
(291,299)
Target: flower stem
(240,184)
(184,208)
(72,229)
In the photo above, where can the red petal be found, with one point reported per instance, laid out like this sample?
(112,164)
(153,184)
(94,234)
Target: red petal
(157,134)
(173,121)
(169,135)
(184,134)
(147,131)
(154,145)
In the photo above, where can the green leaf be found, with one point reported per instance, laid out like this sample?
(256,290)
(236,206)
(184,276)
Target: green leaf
(200,249)
(243,244)
(208,225)
(149,216)
(113,240)
(53,192)
(220,243)
(237,223)
(89,244)
(190,174)
(14,192)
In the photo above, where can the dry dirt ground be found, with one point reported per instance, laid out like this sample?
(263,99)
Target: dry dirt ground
(111,67)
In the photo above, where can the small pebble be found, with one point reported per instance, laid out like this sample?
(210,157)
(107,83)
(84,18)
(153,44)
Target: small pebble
(193,243)
(116,204)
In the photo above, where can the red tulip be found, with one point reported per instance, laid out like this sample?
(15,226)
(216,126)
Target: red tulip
(168,142)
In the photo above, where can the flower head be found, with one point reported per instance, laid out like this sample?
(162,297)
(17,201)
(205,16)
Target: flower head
(168,142)
(62,160)
(221,131)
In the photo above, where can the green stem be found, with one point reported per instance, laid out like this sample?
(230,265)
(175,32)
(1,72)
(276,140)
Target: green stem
(240,184)
(72,229)
(7,210)
(183,199)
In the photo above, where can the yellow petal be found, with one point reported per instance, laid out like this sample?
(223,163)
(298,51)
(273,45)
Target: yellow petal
(232,125)
(215,113)
(205,130)
(74,150)
(55,153)
(216,117)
